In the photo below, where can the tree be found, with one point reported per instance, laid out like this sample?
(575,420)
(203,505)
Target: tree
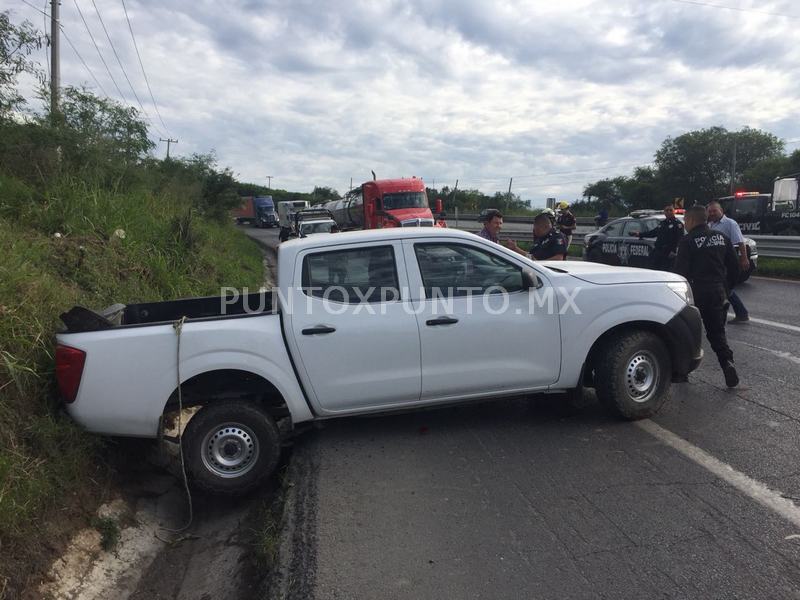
(104,126)
(760,176)
(324,194)
(16,45)
(697,165)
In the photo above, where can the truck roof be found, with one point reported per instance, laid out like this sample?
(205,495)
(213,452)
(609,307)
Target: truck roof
(405,184)
(374,235)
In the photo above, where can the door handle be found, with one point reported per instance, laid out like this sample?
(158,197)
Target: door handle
(318,330)
(441,321)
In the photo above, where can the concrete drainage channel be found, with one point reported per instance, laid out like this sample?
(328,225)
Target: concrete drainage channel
(135,551)
(136,548)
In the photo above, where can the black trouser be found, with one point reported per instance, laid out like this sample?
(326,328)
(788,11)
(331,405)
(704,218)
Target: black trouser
(662,260)
(712,302)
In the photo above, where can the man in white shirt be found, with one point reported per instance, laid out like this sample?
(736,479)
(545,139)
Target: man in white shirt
(719,222)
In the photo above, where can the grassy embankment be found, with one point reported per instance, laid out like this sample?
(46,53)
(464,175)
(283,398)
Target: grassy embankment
(783,268)
(52,475)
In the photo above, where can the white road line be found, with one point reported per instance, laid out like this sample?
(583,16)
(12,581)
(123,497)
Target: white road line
(777,324)
(756,490)
(776,279)
(787,355)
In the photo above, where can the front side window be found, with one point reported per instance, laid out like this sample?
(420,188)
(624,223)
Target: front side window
(405,200)
(352,276)
(458,270)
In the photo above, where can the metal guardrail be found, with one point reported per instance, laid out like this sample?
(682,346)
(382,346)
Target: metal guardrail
(521,219)
(777,246)
(773,246)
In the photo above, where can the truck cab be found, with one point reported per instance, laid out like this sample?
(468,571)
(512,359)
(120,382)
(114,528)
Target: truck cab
(761,213)
(266,216)
(286,212)
(385,203)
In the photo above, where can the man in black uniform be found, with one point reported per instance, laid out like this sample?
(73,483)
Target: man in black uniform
(668,233)
(707,259)
(548,244)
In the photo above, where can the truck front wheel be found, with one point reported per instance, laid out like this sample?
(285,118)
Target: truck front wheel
(632,375)
(230,447)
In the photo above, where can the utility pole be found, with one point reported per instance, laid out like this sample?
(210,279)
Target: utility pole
(733,167)
(55,67)
(269,181)
(169,141)
(351,183)
(509,188)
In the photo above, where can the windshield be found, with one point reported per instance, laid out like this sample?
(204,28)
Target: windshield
(405,200)
(784,194)
(310,228)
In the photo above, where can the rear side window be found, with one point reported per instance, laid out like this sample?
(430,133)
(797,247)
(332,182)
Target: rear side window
(614,229)
(634,227)
(352,276)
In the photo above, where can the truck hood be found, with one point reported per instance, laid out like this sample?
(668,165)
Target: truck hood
(606,274)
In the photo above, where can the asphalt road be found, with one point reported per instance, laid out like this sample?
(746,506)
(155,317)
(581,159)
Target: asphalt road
(513,499)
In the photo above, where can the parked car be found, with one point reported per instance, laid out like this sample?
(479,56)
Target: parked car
(618,244)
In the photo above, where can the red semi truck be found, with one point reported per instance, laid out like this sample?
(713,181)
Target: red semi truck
(385,203)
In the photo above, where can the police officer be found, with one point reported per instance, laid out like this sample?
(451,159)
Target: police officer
(668,233)
(566,222)
(548,244)
(707,259)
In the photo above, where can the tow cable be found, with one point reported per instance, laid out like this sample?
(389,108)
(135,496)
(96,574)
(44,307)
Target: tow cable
(178,327)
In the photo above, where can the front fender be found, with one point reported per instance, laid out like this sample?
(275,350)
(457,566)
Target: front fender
(580,332)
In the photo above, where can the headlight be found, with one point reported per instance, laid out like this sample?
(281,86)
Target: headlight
(683,291)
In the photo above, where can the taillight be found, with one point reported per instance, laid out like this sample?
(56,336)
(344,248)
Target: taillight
(69,368)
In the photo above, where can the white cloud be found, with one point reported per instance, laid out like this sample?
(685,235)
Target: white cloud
(314,93)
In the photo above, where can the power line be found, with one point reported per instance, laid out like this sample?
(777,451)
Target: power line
(74,49)
(121,66)
(100,54)
(83,62)
(737,9)
(141,64)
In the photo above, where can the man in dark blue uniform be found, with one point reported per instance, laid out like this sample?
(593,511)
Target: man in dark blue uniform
(668,234)
(707,259)
(548,244)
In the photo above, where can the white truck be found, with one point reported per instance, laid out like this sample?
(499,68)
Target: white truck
(286,212)
(366,322)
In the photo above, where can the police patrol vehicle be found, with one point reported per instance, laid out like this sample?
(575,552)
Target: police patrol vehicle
(618,243)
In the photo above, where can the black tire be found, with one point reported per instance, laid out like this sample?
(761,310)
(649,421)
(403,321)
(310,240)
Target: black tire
(230,447)
(632,375)
(746,275)
(594,254)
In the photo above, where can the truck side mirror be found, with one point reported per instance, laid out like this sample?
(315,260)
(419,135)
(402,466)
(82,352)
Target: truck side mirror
(530,281)
(439,206)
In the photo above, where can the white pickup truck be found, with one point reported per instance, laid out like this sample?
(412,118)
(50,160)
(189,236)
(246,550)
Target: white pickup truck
(373,321)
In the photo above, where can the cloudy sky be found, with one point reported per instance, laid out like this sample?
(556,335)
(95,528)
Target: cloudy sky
(552,93)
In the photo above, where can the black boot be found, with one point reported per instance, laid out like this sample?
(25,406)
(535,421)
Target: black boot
(731,376)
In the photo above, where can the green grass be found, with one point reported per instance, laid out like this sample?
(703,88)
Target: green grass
(51,471)
(786,268)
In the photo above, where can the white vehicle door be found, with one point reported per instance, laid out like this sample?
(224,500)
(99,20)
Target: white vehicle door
(481,332)
(353,337)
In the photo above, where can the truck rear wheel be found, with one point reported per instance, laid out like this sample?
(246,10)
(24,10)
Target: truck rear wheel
(230,447)
(632,375)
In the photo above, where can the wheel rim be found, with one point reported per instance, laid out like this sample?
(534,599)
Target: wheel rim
(230,450)
(642,376)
